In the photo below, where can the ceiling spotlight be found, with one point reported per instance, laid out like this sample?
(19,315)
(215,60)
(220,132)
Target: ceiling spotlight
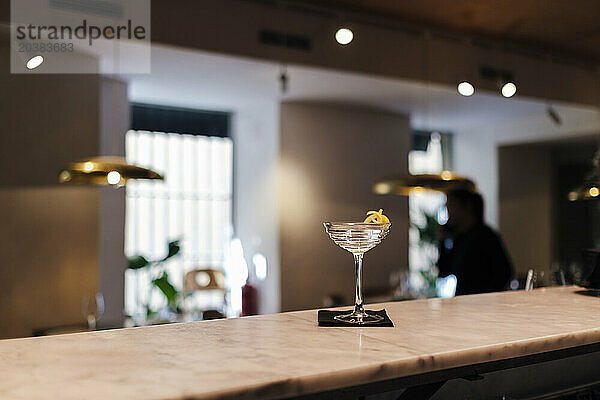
(35,62)
(465,89)
(509,89)
(344,36)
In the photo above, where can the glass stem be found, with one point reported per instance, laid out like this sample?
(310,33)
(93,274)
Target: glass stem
(91,320)
(358,302)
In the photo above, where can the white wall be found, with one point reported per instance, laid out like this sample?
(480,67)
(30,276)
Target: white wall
(475,148)
(474,155)
(331,155)
(525,200)
(256,154)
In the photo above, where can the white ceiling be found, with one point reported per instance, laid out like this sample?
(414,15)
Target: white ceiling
(198,79)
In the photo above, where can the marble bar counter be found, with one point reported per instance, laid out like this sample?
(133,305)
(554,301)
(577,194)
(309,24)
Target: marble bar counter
(287,355)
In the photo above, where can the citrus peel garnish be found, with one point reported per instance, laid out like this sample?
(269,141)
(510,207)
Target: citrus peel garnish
(376,217)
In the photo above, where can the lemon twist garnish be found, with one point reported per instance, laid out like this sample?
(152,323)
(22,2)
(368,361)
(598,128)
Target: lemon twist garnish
(376,217)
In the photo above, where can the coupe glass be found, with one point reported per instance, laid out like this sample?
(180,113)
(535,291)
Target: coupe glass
(357,238)
(93,308)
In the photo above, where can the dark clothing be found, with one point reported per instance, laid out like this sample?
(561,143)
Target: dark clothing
(478,259)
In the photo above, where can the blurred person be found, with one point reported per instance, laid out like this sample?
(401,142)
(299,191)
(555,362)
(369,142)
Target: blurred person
(471,250)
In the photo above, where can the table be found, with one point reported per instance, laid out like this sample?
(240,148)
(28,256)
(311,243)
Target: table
(287,355)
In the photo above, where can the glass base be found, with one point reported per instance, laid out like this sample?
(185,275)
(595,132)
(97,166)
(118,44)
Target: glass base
(358,318)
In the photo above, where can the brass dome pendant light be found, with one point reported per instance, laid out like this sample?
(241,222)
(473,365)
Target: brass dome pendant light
(404,184)
(105,170)
(590,189)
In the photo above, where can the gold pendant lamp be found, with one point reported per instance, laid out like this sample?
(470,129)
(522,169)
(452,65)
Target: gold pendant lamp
(107,170)
(442,182)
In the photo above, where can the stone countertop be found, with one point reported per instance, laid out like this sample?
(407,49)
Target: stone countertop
(279,355)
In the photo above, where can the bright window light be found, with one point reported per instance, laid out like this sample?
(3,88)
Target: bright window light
(344,36)
(465,89)
(446,287)
(193,204)
(237,275)
(260,266)
(422,256)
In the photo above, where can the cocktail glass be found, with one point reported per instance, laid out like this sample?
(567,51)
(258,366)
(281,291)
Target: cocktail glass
(357,238)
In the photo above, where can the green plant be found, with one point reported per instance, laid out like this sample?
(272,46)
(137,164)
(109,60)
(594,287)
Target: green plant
(430,276)
(428,241)
(161,277)
(428,232)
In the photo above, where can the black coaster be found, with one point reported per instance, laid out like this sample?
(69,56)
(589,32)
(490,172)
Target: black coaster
(326,319)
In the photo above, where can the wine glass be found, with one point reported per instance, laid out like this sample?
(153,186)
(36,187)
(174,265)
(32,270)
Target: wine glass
(93,308)
(357,238)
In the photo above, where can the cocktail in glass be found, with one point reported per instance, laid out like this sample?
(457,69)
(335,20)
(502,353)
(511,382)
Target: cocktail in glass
(357,238)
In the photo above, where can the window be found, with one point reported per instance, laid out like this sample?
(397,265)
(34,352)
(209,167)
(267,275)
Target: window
(430,155)
(193,203)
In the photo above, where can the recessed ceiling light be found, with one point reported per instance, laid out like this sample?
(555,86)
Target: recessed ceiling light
(344,36)
(465,89)
(35,62)
(509,89)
